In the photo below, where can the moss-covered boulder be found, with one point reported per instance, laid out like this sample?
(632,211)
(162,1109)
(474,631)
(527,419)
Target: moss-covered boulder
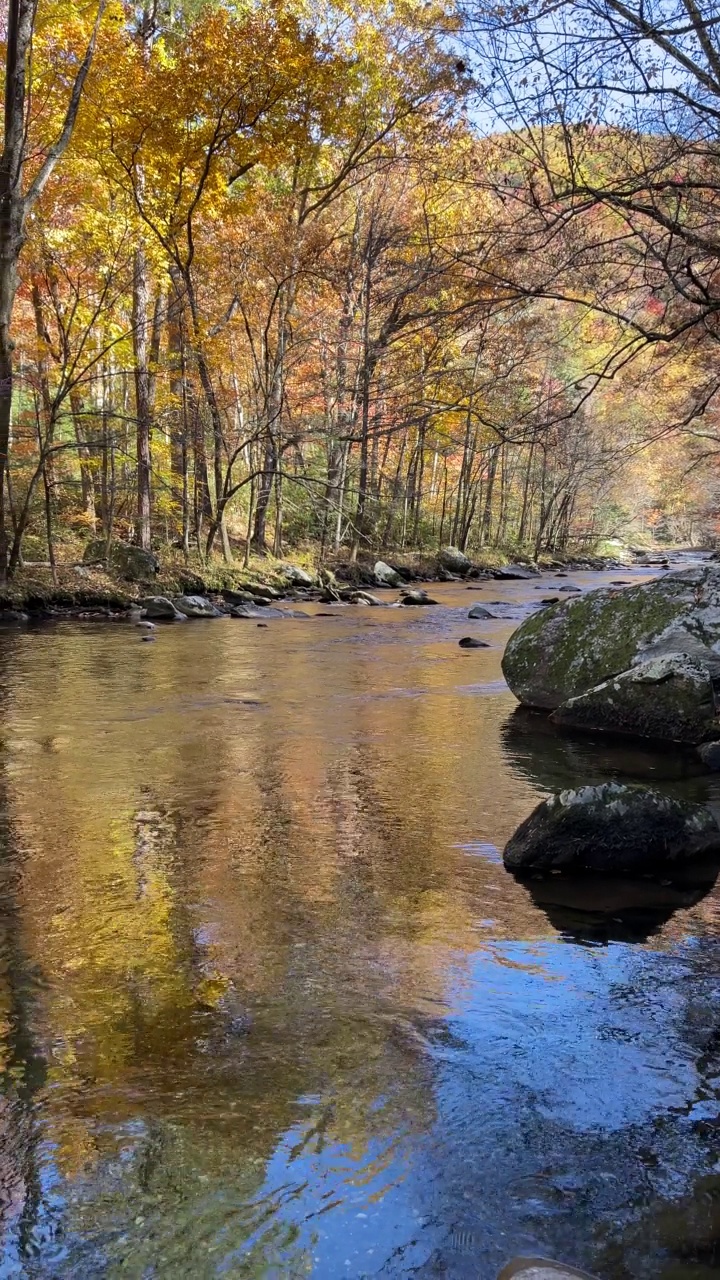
(571,647)
(669,699)
(129,562)
(613,828)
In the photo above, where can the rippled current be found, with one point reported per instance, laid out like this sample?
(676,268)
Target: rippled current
(271,1007)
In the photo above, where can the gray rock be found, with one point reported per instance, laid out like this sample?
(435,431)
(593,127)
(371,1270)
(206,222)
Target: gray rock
(454,560)
(469,642)
(541,1269)
(242,597)
(565,651)
(668,698)
(567,586)
(611,828)
(297,576)
(260,591)
(131,563)
(479,611)
(510,572)
(196,607)
(362,597)
(385,576)
(709,753)
(416,597)
(161,609)
(249,611)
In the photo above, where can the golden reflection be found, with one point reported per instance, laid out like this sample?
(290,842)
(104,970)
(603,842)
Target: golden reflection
(248,871)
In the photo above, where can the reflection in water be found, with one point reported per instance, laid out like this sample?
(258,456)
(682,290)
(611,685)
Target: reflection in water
(269,1003)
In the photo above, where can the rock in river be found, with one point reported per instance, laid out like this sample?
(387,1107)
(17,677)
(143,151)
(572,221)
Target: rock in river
(540,1269)
(196,607)
(469,642)
(510,572)
(162,609)
(611,828)
(669,699)
(572,647)
(417,596)
(479,611)
(709,753)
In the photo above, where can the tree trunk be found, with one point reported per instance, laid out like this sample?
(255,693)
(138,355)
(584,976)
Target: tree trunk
(143,531)
(15,202)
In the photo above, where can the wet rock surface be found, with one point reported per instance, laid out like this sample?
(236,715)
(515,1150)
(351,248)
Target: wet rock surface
(611,828)
(669,698)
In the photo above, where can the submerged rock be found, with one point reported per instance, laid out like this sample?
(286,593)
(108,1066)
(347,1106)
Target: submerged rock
(385,576)
(469,642)
(611,827)
(196,607)
(572,647)
(669,699)
(454,560)
(161,609)
(541,1269)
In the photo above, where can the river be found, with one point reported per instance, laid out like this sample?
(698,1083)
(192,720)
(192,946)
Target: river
(270,1006)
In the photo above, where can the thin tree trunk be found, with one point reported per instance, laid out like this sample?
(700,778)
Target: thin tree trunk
(143,531)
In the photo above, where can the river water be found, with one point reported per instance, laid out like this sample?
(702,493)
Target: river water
(270,1005)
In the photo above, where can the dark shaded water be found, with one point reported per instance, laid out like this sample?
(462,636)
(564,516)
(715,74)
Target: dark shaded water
(270,1005)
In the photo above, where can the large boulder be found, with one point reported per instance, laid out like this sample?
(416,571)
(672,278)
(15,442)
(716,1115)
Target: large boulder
(196,607)
(611,828)
(131,563)
(570,648)
(386,576)
(160,609)
(669,698)
(297,576)
(454,560)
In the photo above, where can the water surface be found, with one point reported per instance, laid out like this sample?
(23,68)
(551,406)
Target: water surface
(271,1007)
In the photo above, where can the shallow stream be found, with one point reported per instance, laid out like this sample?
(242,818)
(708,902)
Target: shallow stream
(270,1005)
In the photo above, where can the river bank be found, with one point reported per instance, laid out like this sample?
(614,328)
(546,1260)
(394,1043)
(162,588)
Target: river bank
(113,591)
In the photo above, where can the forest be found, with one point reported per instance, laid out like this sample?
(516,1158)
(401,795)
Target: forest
(345,278)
